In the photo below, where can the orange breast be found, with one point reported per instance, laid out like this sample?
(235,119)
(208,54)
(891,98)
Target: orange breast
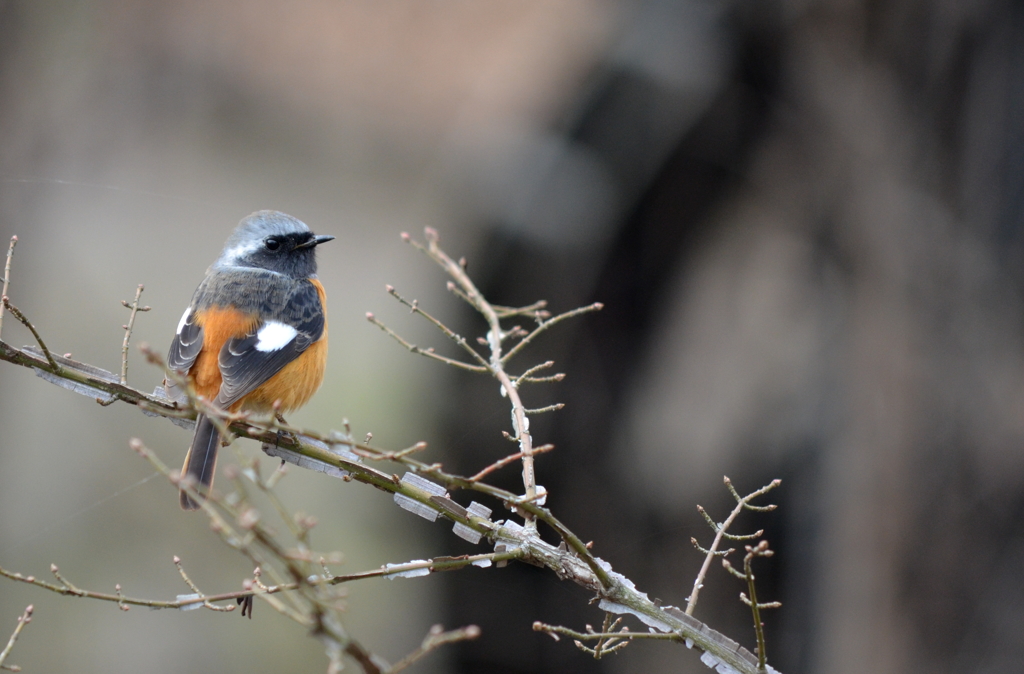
(219,325)
(293,385)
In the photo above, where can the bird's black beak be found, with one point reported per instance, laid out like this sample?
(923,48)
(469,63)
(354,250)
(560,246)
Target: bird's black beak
(315,241)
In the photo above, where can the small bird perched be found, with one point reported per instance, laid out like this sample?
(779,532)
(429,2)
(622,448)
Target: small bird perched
(255,333)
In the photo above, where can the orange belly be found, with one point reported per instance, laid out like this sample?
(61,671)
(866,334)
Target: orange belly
(293,385)
(219,325)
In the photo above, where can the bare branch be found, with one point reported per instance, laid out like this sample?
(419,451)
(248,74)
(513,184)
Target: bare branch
(529,310)
(759,550)
(544,325)
(134,306)
(607,637)
(501,463)
(7,279)
(530,372)
(742,503)
(429,353)
(54,367)
(541,380)
(542,410)
(494,339)
(198,593)
(448,332)
(436,638)
(24,619)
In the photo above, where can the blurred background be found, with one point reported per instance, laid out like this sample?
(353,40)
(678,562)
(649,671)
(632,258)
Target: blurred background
(804,218)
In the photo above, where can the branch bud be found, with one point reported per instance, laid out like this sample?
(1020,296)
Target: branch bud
(249,518)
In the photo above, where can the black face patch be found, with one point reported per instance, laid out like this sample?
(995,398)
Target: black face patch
(285,254)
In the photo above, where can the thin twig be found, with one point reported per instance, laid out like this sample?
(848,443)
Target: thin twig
(24,619)
(501,463)
(542,380)
(609,639)
(454,289)
(392,456)
(603,646)
(448,332)
(55,368)
(297,528)
(244,538)
(533,370)
(117,598)
(429,353)
(762,656)
(508,312)
(71,589)
(529,374)
(7,278)
(120,604)
(742,503)
(367,660)
(436,638)
(592,636)
(199,594)
(134,306)
(258,589)
(542,410)
(759,550)
(596,306)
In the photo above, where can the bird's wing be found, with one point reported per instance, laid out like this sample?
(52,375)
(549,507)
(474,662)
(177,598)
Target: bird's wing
(248,361)
(185,348)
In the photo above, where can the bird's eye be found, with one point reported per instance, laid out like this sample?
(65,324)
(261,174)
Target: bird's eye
(272,243)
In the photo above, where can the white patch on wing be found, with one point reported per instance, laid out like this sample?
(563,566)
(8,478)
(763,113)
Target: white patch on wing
(274,336)
(184,318)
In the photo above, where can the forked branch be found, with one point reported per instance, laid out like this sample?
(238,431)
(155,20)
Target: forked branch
(722,532)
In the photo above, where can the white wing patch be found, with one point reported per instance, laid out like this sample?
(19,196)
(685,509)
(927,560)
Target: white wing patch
(184,318)
(274,335)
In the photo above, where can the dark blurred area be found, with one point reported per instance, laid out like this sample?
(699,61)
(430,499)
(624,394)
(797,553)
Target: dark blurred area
(803,219)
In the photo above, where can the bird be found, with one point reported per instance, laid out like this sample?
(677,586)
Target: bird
(254,336)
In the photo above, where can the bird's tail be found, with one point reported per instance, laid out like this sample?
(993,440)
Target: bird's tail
(201,459)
